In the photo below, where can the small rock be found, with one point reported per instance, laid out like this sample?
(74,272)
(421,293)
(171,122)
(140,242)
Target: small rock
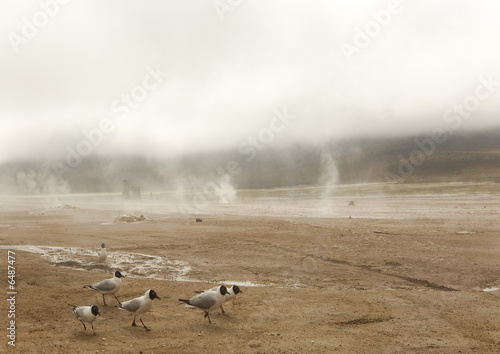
(254,344)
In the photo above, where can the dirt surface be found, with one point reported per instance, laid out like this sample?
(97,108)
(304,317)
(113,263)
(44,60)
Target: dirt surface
(387,274)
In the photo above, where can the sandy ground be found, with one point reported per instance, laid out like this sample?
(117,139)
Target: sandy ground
(389,274)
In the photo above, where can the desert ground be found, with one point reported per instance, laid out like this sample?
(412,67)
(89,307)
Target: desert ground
(377,268)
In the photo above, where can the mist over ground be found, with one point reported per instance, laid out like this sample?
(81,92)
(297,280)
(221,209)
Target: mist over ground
(471,157)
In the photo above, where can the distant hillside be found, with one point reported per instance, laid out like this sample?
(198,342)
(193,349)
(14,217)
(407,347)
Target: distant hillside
(463,157)
(471,157)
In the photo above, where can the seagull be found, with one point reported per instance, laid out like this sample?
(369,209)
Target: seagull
(103,254)
(86,314)
(232,291)
(208,300)
(140,305)
(108,286)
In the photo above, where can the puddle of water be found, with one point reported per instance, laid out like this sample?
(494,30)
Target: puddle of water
(242,283)
(491,289)
(133,264)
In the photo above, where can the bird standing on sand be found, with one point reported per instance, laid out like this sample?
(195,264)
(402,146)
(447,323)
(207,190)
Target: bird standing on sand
(232,291)
(108,286)
(102,254)
(208,300)
(86,314)
(140,305)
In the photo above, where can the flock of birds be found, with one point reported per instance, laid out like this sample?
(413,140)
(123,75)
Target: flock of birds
(206,301)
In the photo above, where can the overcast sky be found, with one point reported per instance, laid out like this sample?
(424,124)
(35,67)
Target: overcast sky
(225,67)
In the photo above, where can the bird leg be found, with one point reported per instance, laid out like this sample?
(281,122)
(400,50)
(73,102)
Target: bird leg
(85,328)
(104,301)
(119,303)
(93,332)
(207,315)
(222,310)
(147,328)
(133,323)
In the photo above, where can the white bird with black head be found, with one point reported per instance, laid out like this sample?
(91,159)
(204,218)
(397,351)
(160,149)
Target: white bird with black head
(86,314)
(208,300)
(108,286)
(232,291)
(103,254)
(140,305)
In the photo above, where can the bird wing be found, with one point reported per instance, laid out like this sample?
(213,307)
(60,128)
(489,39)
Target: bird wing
(204,301)
(102,254)
(79,311)
(131,305)
(105,285)
(202,291)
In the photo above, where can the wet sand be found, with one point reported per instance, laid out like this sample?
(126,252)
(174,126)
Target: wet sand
(394,273)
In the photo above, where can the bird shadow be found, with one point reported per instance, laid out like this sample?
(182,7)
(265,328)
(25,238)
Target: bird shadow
(138,332)
(82,335)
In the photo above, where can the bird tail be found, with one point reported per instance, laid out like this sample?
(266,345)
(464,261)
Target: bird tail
(88,286)
(186,301)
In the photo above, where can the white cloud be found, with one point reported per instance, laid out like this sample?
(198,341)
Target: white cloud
(227,76)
